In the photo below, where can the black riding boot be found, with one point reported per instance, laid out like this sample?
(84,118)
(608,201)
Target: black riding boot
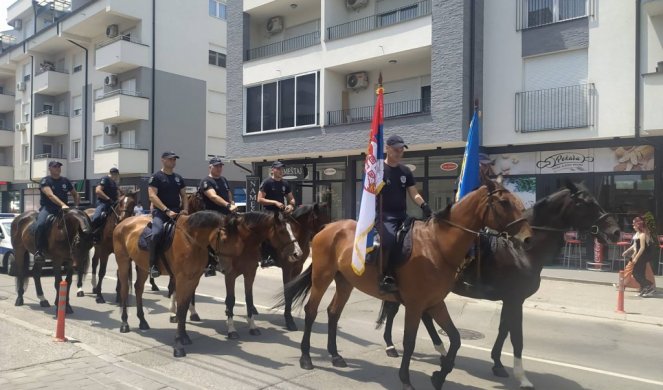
(387,282)
(154,270)
(212,262)
(267,259)
(39,244)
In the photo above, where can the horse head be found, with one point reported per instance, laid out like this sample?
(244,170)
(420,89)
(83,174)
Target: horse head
(78,230)
(505,212)
(126,204)
(283,239)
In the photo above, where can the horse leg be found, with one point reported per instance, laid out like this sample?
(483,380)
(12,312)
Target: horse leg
(193,314)
(57,276)
(172,294)
(412,318)
(154,285)
(80,276)
(102,273)
(319,284)
(441,316)
(516,332)
(185,292)
(496,353)
(251,310)
(390,309)
(95,263)
(69,278)
(334,310)
(230,304)
(123,281)
(288,275)
(36,277)
(20,271)
(139,286)
(432,332)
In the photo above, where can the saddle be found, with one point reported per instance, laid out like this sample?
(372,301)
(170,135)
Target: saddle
(50,221)
(477,278)
(166,238)
(402,249)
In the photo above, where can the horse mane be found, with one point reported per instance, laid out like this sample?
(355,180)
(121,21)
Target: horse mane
(257,218)
(302,210)
(442,215)
(81,217)
(204,220)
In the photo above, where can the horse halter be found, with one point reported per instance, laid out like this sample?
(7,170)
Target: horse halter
(594,227)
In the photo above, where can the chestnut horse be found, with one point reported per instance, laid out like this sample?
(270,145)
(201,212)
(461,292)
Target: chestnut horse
(571,208)
(69,243)
(438,252)
(185,260)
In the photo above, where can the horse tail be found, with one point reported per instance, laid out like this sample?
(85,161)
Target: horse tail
(381,317)
(297,289)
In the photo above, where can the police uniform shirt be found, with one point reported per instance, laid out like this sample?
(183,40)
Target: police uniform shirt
(396,181)
(222,189)
(275,190)
(110,189)
(168,187)
(60,188)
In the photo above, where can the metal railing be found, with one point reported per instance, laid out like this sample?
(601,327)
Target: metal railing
(115,92)
(51,112)
(42,70)
(384,19)
(126,38)
(535,13)
(3,128)
(285,46)
(391,110)
(556,108)
(119,146)
(50,155)
(6,93)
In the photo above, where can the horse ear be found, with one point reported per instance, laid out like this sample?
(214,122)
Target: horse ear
(571,186)
(490,185)
(499,179)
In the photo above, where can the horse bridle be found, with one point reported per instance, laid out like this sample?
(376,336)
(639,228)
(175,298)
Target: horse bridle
(593,228)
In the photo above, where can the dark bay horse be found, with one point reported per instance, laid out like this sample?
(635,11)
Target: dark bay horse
(69,243)
(572,208)
(438,251)
(185,260)
(121,211)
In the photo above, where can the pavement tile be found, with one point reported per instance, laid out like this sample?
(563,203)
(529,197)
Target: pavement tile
(12,375)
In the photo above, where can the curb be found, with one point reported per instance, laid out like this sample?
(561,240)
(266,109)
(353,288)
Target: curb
(584,281)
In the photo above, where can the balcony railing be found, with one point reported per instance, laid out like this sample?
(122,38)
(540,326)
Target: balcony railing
(45,69)
(535,13)
(285,46)
(116,92)
(51,112)
(50,155)
(119,146)
(126,38)
(381,20)
(556,108)
(391,110)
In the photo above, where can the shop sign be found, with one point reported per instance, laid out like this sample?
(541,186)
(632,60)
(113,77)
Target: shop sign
(128,189)
(252,188)
(567,162)
(329,172)
(33,185)
(449,166)
(295,172)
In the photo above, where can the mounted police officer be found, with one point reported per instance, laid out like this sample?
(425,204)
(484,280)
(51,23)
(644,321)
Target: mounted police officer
(167,193)
(398,181)
(107,195)
(216,195)
(275,195)
(53,198)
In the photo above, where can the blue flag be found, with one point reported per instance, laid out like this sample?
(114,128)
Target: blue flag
(469,173)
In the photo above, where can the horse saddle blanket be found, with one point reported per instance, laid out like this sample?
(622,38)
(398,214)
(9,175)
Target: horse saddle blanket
(166,238)
(403,249)
(49,223)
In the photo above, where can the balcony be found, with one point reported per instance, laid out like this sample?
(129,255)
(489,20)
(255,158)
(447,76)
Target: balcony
(51,82)
(7,103)
(560,108)
(121,106)
(653,7)
(285,46)
(121,54)
(6,172)
(652,115)
(391,111)
(129,159)
(40,164)
(385,19)
(18,8)
(51,124)
(6,137)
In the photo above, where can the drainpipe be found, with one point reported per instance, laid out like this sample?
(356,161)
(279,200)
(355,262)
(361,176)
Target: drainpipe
(32,109)
(85,114)
(638,77)
(472,67)
(153,97)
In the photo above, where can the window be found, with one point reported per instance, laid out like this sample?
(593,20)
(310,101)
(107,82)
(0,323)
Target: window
(128,139)
(76,150)
(97,143)
(25,153)
(542,12)
(26,112)
(26,72)
(128,87)
(77,104)
(217,8)
(78,63)
(216,102)
(282,104)
(218,59)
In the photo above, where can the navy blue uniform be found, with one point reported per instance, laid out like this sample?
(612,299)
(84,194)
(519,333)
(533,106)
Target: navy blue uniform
(275,190)
(61,188)
(394,197)
(168,187)
(222,189)
(104,206)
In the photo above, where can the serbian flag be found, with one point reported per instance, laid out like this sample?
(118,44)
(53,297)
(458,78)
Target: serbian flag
(373,173)
(469,173)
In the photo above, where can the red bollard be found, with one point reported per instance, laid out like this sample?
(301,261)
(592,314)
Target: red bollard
(62,305)
(620,293)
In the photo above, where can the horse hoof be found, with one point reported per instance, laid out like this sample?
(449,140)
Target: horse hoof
(291,326)
(69,310)
(155,288)
(43,303)
(186,340)
(437,379)
(124,328)
(100,299)
(408,387)
(233,335)
(179,352)
(392,352)
(254,311)
(143,325)
(254,332)
(500,372)
(195,317)
(305,363)
(338,361)
(527,386)
(173,319)
(80,294)
(19,301)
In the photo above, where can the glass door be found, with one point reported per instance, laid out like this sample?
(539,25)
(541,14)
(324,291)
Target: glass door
(331,194)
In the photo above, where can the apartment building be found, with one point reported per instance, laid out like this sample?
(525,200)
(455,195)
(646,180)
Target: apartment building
(302,77)
(97,84)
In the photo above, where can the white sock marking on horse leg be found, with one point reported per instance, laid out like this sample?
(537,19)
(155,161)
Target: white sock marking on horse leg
(252,323)
(173,304)
(440,348)
(298,249)
(41,297)
(519,373)
(192,309)
(80,289)
(231,325)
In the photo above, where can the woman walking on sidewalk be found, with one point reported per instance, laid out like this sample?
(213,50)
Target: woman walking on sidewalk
(643,245)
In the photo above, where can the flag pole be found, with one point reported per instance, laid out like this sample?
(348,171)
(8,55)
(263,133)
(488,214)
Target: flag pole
(380,221)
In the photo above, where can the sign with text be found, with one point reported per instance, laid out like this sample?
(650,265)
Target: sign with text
(252,188)
(295,172)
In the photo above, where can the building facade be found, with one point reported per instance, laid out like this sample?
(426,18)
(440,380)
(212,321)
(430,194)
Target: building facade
(98,84)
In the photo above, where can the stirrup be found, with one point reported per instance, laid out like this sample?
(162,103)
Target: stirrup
(210,271)
(154,272)
(39,257)
(268,262)
(388,285)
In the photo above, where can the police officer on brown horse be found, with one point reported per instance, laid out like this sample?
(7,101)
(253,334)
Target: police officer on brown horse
(167,193)
(107,195)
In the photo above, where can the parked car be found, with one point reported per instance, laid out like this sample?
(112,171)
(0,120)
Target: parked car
(6,249)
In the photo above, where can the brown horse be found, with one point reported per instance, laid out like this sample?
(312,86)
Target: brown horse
(121,211)
(185,260)
(438,252)
(69,243)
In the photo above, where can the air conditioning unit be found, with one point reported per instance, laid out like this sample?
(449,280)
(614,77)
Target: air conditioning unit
(20,86)
(112,30)
(18,24)
(19,126)
(110,81)
(659,67)
(356,4)
(356,81)
(110,130)
(274,25)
